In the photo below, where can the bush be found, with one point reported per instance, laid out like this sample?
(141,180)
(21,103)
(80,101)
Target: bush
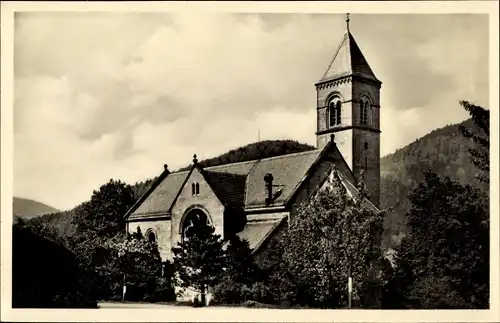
(437,293)
(230,292)
(261,293)
(164,292)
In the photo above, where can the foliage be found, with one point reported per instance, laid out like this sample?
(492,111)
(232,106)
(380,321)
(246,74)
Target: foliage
(444,261)
(38,227)
(479,154)
(240,274)
(44,273)
(199,260)
(103,214)
(136,262)
(240,263)
(331,237)
(229,291)
(95,222)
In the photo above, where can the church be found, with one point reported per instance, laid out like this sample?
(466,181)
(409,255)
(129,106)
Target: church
(256,199)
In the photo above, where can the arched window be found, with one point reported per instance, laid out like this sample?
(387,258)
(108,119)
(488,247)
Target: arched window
(192,221)
(151,236)
(334,111)
(197,188)
(364,111)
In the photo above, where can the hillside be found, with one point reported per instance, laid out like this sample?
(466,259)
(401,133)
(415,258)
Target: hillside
(27,209)
(442,150)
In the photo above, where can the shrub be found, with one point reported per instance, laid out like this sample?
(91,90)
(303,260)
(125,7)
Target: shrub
(230,292)
(163,292)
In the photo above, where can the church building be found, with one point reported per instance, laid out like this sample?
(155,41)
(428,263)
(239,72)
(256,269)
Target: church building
(255,199)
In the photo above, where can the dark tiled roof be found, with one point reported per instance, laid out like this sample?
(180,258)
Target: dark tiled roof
(241,185)
(163,195)
(256,231)
(348,60)
(229,188)
(288,172)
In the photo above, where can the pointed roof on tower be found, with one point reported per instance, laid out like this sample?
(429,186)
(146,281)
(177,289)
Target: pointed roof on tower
(348,60)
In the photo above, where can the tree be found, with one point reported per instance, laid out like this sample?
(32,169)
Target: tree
(332,237)
(199,260)
(240,274)
(480,155)
(444,261)
(104,214)
(95,222)
(134,262)
(240,264)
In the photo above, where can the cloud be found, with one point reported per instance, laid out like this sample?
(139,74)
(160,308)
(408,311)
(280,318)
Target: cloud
(101,95)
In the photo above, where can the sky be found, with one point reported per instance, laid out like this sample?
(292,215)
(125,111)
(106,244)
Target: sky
(117,95)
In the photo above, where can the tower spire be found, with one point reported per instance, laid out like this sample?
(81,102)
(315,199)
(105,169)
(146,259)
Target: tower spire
(347,21)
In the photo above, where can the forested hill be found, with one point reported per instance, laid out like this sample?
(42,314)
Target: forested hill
(26,208)
(443,151)
(258,150)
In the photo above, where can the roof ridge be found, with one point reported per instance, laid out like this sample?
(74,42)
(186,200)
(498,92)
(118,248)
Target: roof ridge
(181,171)
(209,168)
(224,173)
(236,163)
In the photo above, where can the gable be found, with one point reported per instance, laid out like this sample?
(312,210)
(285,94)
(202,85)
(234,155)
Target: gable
(202,196)
(350,187)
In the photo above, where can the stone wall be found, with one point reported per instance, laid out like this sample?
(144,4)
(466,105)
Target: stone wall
(206,200)
(162,230)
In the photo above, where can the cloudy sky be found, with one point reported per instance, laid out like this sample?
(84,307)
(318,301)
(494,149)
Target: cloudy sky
(100,96)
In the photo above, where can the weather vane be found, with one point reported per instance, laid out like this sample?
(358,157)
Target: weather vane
(347,20)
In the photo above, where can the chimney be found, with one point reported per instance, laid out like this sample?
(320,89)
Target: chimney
(269,187)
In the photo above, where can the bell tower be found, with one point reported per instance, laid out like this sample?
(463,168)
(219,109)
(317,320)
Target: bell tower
(348,106)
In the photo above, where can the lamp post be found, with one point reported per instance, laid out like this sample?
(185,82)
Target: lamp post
(124,288)
(123,256)
(349,290)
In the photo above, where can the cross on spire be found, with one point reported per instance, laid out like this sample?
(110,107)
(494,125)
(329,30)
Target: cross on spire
(347,20)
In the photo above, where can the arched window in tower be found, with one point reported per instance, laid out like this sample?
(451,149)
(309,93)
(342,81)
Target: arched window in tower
(334,111)
(193,189)
(364,111)
(197,188)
